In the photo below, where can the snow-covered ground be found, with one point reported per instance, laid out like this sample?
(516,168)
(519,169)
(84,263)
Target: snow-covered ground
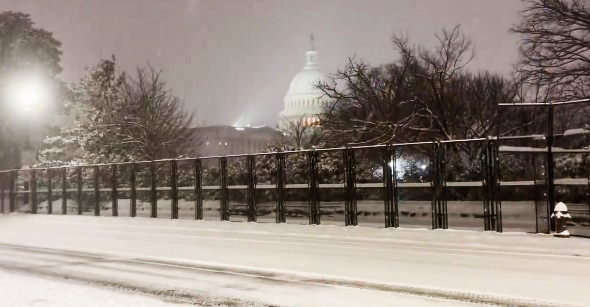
(20,290)
(294,265)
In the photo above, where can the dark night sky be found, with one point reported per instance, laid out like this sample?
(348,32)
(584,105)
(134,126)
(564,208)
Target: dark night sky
(231,61)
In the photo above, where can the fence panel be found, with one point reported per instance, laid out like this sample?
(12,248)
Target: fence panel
(123,192)
(464,190)
(105,182)
(237,181)
(4,192)
(370,191)
(43,192)
(143,182)
(164,195)
(297,192)
(186,189)
(265,181)
(211,189)
(523,185)
(414,177)
(572,178)
(331,184)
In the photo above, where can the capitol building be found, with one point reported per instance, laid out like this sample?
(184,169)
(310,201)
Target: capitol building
(304,99)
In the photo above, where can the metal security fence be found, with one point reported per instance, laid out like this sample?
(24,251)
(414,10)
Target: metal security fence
(482,184)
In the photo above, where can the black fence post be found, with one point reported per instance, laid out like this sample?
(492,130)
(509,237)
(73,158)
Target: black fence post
(314,202)
(133,204)
(433,182)
(439,204)
(174,189)
(388,200)
(350,205)
(496,185)
(395,188)
(281,216)
(49,191)
(198,189)
(492,204)
(96,191)
(12,191)
(487,179)
(223,197)
(550,168)
(114,191)
(79,181)
(251,193)
(2,209)
(154,193)
(33,186)
(64,191)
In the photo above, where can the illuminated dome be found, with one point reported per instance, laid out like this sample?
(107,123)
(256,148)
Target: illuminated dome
(304,99)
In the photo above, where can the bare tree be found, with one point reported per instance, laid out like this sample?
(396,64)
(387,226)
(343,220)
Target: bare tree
(556,47)
(425,95)
(374,106)
(299,133)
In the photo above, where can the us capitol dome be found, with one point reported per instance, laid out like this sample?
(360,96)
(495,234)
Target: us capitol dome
(304,99)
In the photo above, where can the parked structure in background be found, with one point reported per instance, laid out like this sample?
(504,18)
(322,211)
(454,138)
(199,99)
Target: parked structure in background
(228,140)
(304,99)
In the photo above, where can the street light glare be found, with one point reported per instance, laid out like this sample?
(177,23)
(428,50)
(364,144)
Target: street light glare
(28,97)
(27,94)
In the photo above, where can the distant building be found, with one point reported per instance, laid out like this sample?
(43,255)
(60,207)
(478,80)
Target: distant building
(227,140)
(304,99)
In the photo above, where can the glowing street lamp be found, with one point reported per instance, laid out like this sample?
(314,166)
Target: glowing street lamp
(28,97)
(27,94)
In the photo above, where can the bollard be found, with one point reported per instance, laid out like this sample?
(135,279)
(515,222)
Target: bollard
(561,217)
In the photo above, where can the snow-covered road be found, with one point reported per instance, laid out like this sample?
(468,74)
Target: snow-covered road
(301,265)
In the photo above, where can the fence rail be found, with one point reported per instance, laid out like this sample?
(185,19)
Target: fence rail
(493,185)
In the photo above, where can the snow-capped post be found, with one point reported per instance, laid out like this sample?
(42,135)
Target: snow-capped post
(561,217)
